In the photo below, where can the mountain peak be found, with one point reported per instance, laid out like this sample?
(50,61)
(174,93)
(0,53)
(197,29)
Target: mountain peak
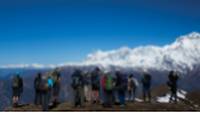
(194,34)
(190,36)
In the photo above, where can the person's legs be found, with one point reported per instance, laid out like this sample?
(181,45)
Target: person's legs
(56,93)
(102,95)
(119,97)
(97,96)
(116,96)
(175,95)
(49,96)
(46,101)
(17,97)
(36,97)
(122,98)
(39,97)
(76,97)
(14,101)
(129,95)
(171,97)
(81,96)
(44,96)
(134,94)
(149,94)
(105,98)
(110,98)
(144,94)
(85,93)
(93,96)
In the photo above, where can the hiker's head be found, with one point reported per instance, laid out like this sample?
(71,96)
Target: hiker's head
(108,73)
(39,75)
(171,72)
(85,72)
(118,73)
(105,72)
(145,71)
(77,71)
(49,77)
(131,76)
(97,69)
(56,71)
(17,75)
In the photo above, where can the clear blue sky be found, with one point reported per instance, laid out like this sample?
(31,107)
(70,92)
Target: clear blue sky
(57,31)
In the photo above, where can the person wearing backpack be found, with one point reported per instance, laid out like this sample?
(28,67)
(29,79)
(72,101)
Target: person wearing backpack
(56,87)
(87,87)
(121,87)
(17,89)
(172,84)
(38,94)
(132,86)
(95,79)
(44,88)
(50,82)
(146,83)
(77,85)
(108,89)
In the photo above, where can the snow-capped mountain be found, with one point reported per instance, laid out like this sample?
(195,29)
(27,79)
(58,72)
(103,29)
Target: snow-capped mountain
(181,55)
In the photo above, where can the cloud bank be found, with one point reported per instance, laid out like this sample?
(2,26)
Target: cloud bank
(182,55)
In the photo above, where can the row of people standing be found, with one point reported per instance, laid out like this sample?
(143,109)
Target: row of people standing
(47,89)
(95,87)
(107,88)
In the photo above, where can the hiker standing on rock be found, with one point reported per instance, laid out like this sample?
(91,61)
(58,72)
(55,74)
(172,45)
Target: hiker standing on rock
(108,90)
(95,78)
(102,88)
(38,95)
(121,88)
(17,89)
(56,87)
(132,86)
(87,86)
(77,85)
(172,84)
(146,84)
(50,82)
(44,87)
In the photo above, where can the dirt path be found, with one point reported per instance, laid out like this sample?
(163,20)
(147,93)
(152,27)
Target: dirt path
(130,107)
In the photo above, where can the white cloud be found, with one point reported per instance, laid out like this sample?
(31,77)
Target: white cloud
(180,55)
(35,65)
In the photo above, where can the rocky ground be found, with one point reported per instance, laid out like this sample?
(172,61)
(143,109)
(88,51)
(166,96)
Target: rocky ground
(137,106)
